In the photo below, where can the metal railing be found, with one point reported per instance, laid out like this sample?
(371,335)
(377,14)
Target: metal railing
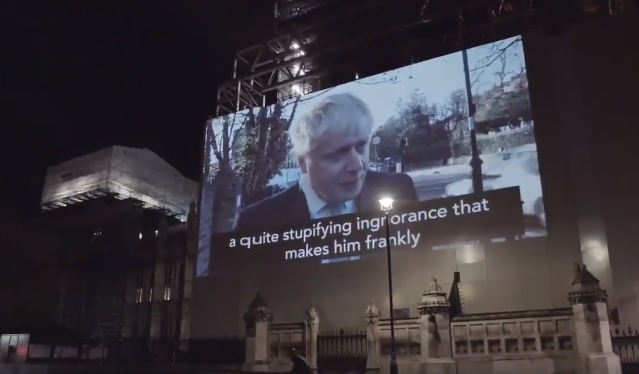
(625,343)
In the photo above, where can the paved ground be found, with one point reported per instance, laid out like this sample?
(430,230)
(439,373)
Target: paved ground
(431,187)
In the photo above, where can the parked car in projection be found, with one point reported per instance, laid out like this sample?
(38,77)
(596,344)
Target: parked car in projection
(515,167)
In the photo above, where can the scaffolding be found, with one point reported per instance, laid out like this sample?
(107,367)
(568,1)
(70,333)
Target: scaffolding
(313,51)
(121,172)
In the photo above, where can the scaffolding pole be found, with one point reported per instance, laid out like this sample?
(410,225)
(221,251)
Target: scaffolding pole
(277,65)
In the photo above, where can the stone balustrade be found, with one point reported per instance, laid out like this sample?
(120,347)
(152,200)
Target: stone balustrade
(572,340)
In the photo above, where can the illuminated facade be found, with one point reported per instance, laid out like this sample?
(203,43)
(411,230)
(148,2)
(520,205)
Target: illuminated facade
(126,223)
(122,172)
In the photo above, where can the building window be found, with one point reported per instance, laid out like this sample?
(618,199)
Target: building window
(169,275)
(139,290)
(97,233)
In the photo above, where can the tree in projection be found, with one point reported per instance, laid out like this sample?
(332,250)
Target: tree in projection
(218,193)
(262,149)
(430,129)
(451,123)
(499,85)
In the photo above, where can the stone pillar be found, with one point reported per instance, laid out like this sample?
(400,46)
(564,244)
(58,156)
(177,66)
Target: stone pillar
(592,328)
(257,319)
(312,330)
(434,309)
(372,317)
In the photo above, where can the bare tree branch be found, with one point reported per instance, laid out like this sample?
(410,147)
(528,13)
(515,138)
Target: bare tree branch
(238,132)
(494,58)
(213,141)
(496,52)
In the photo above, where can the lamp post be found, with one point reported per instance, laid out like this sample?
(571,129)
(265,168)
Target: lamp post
(387,204)
(475,159)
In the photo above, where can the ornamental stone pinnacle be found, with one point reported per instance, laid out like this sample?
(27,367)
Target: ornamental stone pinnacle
(434,300)
(258,311)
(585,287)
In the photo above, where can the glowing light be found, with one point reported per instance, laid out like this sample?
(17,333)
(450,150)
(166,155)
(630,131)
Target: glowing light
(386,204)
(295,45)
(295,69)
(297,89)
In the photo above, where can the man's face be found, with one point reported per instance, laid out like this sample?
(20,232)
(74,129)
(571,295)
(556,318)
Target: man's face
(336,165)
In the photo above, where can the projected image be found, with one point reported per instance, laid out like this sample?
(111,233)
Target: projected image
(404,133)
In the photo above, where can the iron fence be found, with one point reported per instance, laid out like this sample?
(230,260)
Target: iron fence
(341,352)
(625,343)
(494,143)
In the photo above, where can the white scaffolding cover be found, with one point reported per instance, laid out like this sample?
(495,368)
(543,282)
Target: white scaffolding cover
(123,172)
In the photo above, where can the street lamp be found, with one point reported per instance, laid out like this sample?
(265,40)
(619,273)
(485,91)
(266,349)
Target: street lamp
(386,204)
(475,160)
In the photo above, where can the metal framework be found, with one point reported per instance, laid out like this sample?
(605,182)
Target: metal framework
(287,64)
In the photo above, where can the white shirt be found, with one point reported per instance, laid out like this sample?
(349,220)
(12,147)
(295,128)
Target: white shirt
(317,207)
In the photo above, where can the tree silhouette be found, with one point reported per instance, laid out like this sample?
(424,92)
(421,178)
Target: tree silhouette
(430,129)
(246,150)
(500,86)
(262,148)
(219,177)
(502,59)
(415,118)
(451,123)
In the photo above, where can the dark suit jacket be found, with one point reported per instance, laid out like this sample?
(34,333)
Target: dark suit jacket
(289,208)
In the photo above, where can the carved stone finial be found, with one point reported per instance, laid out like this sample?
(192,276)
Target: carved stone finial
(434,299)
(372,314)
(585,287)
(312,316)
(258,301)
(576,267)
(583,276)
(258,311)
(434,287)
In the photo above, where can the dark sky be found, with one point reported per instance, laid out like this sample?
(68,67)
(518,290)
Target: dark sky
(77,76)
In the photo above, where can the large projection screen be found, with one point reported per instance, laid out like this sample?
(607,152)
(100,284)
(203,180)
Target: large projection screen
(306,162)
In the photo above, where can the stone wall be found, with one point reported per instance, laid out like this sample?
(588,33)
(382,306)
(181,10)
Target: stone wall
(573,340)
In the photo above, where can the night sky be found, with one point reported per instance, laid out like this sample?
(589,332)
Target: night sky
(78,76)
